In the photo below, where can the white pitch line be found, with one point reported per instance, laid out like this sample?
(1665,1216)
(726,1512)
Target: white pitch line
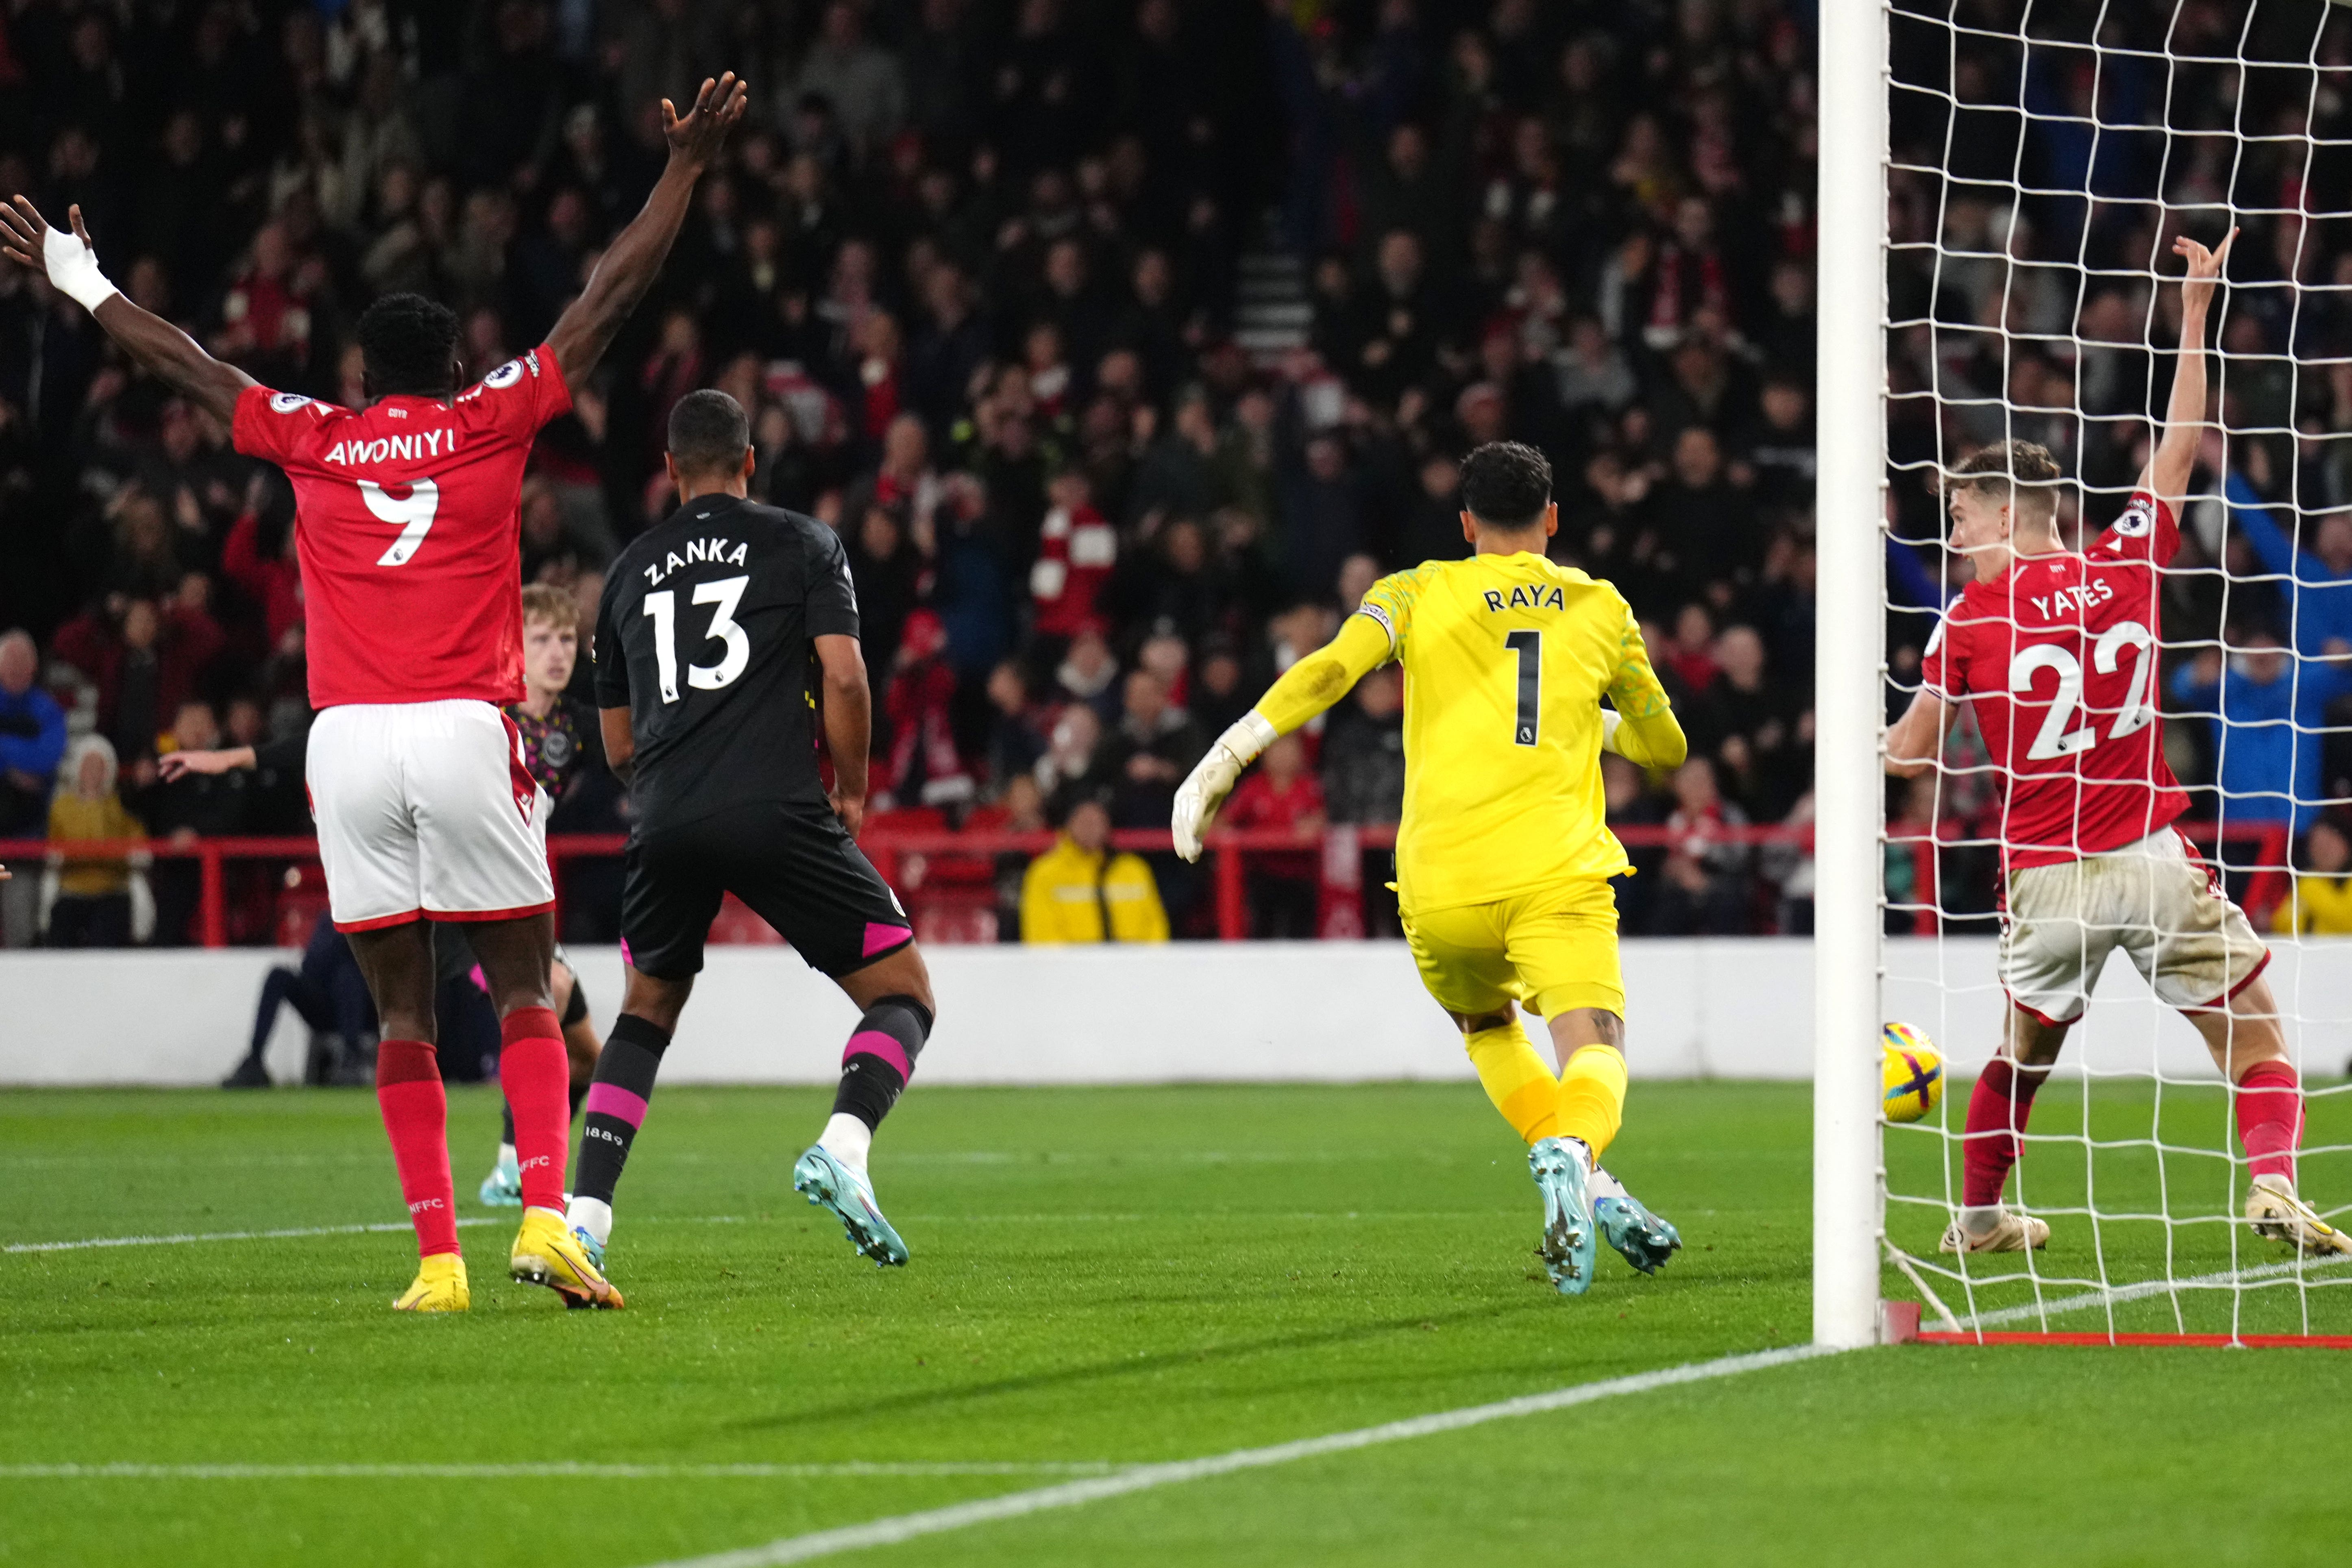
(2119,1294)
(555,1469)
(182,1239)
(1145,1478)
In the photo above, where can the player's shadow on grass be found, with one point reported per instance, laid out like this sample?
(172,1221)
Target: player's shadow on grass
(1100,1371)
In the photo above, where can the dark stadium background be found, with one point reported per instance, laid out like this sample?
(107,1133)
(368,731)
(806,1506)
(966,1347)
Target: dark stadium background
(1113,337)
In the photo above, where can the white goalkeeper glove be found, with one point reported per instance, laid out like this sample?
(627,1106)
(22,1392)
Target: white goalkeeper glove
(1610,719)
(1212,778)
(72,266)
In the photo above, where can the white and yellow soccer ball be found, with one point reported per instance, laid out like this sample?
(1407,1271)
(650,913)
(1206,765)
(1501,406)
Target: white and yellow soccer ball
(1912,1074)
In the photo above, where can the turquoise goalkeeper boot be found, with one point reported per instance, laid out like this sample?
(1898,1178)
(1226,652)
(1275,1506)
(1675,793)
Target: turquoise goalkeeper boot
(502,1188)
(1641,1237)
(831,1185)
(1570,1236)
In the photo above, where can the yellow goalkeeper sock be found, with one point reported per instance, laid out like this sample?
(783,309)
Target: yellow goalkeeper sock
(1592,1097)
(1516,1080)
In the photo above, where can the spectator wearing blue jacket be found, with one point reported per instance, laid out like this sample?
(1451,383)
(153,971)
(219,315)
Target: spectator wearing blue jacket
(32,739)
(2318,591)
(2266,711)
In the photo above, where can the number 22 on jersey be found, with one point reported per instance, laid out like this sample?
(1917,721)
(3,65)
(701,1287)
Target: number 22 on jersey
(724,595)
(2053,739)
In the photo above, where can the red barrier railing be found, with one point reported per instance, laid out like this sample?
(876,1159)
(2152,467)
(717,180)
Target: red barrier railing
(893,851)
(896,851)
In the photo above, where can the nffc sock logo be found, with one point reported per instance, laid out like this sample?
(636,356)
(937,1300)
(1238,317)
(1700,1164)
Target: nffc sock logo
(421,1204)
(536,1159)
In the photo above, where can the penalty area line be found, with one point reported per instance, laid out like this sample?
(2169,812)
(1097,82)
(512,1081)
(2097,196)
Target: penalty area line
(905,1526)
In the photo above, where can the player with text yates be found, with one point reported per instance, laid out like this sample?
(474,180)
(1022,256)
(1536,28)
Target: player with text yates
(2056,652)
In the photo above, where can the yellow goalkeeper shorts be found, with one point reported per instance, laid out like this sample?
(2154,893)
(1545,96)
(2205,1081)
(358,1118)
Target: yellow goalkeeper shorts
(1552,950)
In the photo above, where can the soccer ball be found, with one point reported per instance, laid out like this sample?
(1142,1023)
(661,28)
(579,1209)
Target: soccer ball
(1912,1075)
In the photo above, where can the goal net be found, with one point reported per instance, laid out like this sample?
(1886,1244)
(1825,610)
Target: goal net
(2041,159)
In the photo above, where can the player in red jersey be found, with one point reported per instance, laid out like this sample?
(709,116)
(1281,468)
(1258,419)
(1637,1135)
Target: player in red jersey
(408,538)
(2057,654)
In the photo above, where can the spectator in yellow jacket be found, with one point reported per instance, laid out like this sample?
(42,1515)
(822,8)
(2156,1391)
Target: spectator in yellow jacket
(93,904)
(2320,903)
(1081,891)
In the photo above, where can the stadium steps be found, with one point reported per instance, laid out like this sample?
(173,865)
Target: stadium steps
(1272,315)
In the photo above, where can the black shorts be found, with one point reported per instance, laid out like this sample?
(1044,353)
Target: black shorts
(795,866)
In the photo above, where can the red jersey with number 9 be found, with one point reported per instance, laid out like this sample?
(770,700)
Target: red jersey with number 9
(406,527)
(2058,661)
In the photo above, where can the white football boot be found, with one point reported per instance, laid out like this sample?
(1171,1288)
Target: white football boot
(2005,1232)
(2274,1210)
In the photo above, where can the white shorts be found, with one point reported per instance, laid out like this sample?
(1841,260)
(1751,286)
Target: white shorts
(426,809)
(2157,899)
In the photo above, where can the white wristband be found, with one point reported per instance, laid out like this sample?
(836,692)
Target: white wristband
(73,270)
(1250,734)
(1610,719)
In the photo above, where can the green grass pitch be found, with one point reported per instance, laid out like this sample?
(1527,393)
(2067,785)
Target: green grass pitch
(1100,1277)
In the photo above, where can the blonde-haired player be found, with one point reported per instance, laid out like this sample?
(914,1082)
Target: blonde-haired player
(557,734)
(1503,855)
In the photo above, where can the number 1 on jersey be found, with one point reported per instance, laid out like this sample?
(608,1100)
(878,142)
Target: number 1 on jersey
(1528,646)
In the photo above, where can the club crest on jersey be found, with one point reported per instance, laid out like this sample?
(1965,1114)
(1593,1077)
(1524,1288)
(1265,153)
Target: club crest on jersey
(287,402)
(2080,597)
(712,550)
(1526,597)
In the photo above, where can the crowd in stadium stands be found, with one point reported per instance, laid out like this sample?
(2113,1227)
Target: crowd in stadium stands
(1004,284)
(2067,342)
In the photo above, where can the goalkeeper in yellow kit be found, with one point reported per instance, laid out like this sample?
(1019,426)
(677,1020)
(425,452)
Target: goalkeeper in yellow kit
(1504,856)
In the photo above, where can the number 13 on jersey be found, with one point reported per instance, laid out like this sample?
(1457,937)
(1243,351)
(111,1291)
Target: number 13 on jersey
(724,595)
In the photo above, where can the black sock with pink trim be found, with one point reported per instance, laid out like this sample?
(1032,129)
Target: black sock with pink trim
(616,1105)
(880,1058)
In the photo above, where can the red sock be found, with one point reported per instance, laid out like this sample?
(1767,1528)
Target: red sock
(416,1116)
(1998,1108)
(536,1073)
(2270,1117)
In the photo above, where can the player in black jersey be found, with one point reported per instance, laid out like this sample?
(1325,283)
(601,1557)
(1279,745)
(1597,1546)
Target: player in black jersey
(726,647)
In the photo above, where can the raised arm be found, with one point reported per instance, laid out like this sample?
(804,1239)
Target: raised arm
(69,262)
(2184,419)
(634,258)
(2261,531)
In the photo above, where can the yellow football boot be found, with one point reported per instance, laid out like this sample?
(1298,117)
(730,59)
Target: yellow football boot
(545,1253)
(440,1286)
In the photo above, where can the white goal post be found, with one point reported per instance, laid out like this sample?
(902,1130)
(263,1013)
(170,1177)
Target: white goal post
(2000,184)
(1849,789)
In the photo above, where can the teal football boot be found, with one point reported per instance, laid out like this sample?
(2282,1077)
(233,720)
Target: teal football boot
(1570,1238)
(831,1185)
(595,1251)
(502,1188)
(1641,1237)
